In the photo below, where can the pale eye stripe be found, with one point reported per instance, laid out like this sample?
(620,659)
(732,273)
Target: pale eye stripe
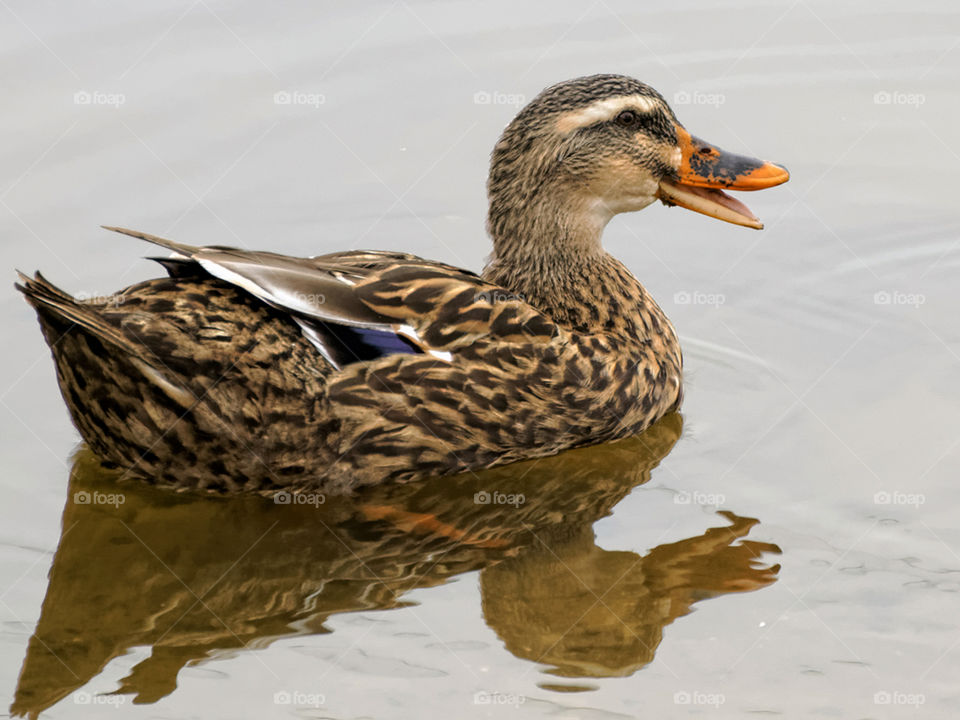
(604,110)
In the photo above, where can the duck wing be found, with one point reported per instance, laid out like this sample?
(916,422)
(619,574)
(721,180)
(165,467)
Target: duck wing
(359,305)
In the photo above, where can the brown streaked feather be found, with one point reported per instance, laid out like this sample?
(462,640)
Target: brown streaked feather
(48,298)
(216,390)
(447,307)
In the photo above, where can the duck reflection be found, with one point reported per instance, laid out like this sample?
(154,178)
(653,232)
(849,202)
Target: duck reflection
(189,576)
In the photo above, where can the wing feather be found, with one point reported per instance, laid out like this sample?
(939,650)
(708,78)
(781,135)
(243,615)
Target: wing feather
(361,304)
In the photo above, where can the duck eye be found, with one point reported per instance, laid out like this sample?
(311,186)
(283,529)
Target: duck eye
(627,118)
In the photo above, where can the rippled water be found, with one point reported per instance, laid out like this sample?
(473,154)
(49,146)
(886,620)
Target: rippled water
(820,429)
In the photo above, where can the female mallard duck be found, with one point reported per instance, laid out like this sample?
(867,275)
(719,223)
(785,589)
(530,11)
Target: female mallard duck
(253,371)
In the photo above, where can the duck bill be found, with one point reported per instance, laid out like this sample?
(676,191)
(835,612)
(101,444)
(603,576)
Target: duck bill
(706,171)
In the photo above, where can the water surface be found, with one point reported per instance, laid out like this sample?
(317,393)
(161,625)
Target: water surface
(822,357)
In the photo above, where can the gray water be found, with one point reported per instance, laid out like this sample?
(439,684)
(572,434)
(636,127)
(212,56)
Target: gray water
(822,354)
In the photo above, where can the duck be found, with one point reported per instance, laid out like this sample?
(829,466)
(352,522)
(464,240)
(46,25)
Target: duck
(247,371)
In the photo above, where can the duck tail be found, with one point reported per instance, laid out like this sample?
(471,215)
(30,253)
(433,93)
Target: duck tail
(105,375)
(60,313)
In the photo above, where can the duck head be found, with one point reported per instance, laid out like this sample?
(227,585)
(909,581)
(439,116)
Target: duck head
(587,149)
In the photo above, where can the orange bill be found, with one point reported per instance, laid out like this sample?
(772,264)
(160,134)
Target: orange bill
(706,170)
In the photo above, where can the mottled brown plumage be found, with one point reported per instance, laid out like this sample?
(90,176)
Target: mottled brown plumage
(247,371)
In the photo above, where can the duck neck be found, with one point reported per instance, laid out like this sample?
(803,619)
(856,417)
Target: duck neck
(546,228)
(548,251)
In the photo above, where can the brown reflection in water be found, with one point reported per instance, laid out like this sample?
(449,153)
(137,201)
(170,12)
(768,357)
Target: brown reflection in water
(187,576)
(591,612)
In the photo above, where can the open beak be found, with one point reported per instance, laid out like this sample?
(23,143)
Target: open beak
(706,170)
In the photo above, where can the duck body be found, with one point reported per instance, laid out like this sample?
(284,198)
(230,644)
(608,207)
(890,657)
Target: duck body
(254,372)
(193,382)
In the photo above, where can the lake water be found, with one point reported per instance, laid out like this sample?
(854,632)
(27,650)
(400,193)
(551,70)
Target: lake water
(805,511)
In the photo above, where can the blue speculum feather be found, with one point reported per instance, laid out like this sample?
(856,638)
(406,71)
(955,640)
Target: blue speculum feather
(355,344)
